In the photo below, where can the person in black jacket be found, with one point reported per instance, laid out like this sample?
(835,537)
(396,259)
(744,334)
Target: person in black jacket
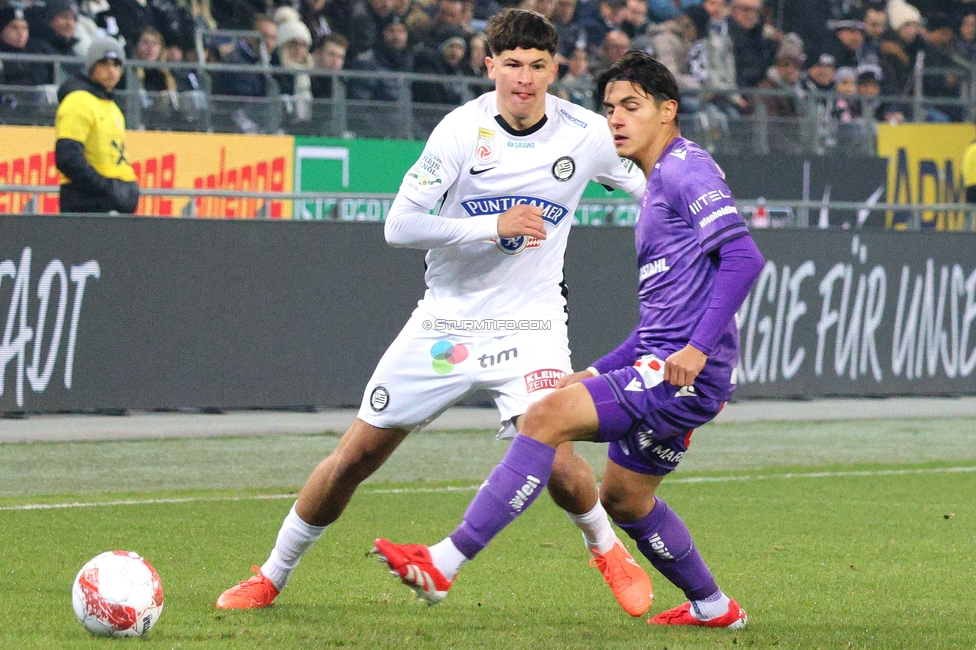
(89,148)
(15,39)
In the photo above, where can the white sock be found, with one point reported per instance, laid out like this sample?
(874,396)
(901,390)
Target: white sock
(713,606)
(294,539)
(597,531)
(447,558)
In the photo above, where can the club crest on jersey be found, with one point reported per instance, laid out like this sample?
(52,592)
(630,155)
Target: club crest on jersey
(379,399)
(515,245)
(551,212)
(563,169)
(486,144)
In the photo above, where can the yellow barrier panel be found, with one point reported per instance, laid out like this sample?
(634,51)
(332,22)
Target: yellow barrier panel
(925,166)
(165,160)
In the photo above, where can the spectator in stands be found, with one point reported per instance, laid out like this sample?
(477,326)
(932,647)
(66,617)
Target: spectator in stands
(238,14)
(55,23)
(663,10)
(712,60)
(391,54)
(635,18)
(753,51)
(598,17)
(449,20)
(15,39)
(875,24)
(293,53)
(967,35)
(477,52)
(249,51)
(313,14)
(329,53)
(940,50)
(818,85)
(899,50)
(820,73)
(849,40)
(670,43)
(89,148)
(847,106)
(366,23)
(577,84)
(869,90)
(151,47)
(615,45)
(572,36)
(784,77)
(445,60)
(546,8)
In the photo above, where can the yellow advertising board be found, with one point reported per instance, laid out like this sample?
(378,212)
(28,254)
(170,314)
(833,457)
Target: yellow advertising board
(164,160)
(925,166)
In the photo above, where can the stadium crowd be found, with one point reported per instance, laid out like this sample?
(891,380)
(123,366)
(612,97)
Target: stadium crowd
(856,57)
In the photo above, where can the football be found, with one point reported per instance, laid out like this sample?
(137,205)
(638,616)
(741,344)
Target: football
(117,593)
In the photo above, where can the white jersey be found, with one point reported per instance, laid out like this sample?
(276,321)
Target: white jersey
(480,167)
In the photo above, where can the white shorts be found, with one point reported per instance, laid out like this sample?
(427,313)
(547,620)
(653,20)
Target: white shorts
(425,371)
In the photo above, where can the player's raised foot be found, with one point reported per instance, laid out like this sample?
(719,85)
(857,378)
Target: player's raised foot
(415,568)
(734,619)
(629,583)
(253,593)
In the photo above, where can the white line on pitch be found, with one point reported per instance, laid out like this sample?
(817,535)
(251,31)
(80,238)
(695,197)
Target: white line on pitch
(469,488)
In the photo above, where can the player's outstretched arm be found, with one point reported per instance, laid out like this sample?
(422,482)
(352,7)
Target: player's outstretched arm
(410,225)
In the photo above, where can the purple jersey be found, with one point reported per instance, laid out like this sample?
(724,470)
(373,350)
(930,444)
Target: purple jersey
(686,213)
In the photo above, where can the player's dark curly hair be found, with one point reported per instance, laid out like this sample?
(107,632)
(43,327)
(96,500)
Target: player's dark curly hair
(645,72)
(528,30)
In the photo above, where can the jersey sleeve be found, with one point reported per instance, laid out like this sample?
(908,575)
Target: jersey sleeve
(74,119)
(409,223)
(704,199)
(612,171)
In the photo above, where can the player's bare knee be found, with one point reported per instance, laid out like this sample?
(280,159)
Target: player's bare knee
(623,505)
(543,420)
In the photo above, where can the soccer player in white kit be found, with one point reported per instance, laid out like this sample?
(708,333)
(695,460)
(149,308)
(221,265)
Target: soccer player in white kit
(503,175)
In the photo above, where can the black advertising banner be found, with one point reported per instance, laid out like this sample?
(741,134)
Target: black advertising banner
(143,313)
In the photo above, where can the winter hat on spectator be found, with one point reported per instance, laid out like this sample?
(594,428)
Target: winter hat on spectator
(57,7)
(104,47)
(845,73)
(848,22)
(286,14)
(900,14)
(869,72)
(294,30)
(9,15)
(791,49)
(823,59)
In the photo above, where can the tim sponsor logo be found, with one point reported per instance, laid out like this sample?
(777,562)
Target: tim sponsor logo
(551,212)
(707,199)
(523,493)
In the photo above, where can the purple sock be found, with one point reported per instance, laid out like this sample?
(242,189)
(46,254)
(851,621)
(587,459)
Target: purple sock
(511,488)
(664,540)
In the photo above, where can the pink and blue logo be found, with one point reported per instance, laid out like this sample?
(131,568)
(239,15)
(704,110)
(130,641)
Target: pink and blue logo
(447,355)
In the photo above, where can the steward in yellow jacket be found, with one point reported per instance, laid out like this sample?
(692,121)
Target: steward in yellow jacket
(90,137)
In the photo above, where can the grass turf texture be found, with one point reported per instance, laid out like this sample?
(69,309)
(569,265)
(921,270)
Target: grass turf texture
(824,548)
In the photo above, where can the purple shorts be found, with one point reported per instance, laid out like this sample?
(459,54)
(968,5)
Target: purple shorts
(647,421)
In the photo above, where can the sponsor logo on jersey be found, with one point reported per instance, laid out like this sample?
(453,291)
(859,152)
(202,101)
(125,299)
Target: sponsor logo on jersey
(546,378)
(653,268)
(651,370)
(707,199)
(475,172)
(718,214)
(563,169)
(489,360)
(635,386)
(425,171)
(446,355)
(658,546)
(523,493)
(486,144)
(551,212)
(578,122)
(645,439)
(379,399)
(512,144)
(680,154)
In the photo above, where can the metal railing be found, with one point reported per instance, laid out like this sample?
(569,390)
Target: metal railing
(350,111)
(758,212)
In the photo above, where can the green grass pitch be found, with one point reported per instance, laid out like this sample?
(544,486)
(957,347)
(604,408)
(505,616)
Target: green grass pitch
(850,534)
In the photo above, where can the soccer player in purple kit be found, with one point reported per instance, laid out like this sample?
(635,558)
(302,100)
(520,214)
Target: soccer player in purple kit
(696,264)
